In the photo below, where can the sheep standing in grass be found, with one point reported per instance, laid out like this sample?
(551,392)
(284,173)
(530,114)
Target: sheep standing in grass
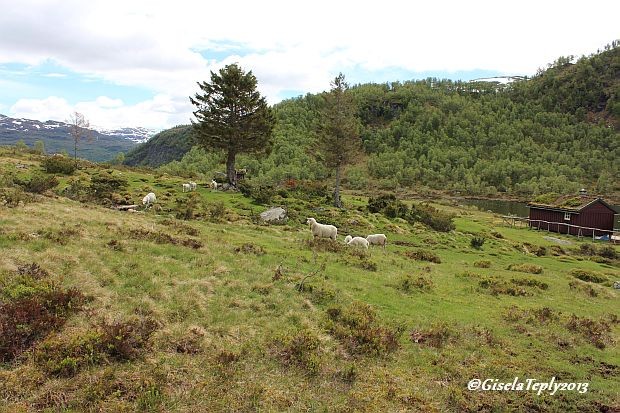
(192,185)
(186,188)
(377,239)
(213,184)
(322,230)
(149,199)
(356,241)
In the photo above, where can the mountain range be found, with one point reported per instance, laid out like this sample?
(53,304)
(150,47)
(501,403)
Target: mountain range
(104,144)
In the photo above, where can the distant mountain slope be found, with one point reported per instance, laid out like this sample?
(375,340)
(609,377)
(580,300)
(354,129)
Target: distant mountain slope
(167,146)
(104,146)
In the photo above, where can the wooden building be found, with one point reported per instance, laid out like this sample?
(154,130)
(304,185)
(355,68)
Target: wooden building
(576,215)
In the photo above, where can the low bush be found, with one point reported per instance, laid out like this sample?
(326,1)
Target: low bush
(357,328)
(104,184)
(588,276)
(432,217)
(301,348)
(436,336)
(57,164)
(38,183)
(25,320)
(529,268)
(477,242)
(14,197)
(596,332)
(260,193)
(424,255)
(409,284)
(482,264)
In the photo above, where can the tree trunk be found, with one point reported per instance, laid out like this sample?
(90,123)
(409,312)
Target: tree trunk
(230,168)
(337,202)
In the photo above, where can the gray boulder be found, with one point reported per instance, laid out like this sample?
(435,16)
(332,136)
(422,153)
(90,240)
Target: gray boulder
(276,215)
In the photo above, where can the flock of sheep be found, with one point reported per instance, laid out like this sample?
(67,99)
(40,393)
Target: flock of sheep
(318,230)
(330,231)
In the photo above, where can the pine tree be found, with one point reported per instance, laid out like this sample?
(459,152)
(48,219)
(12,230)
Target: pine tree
(232,116)
(339,138)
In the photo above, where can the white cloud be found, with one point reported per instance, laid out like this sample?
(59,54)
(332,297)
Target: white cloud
(294,45)
(159,112)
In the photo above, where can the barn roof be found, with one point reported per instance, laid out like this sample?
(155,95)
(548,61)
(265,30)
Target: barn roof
(570,203)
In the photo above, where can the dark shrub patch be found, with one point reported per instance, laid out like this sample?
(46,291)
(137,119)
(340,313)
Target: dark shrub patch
(62,235)
(103,185)
(39,183)
(301,348)
(325,245)
(124,340)
(436,336)
(249,248)
(529,268)
(59,165)
(358,329)
(25,320)
(596,332)
(432,217)
(482,264)
(529,282)
(496,287)
(409,284)
(163,238)
(608,252)
(260,193)
(586,288)
(13,197)
(423,255)
(32,270)
(589,276)
(477,242)
(381,202)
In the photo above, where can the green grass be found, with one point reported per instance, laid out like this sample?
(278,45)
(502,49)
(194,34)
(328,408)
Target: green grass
(220,311)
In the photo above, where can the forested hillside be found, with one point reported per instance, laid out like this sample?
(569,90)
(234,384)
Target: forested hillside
(162,148)
(557,131)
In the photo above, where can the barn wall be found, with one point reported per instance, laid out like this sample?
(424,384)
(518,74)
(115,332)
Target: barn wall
(596,215)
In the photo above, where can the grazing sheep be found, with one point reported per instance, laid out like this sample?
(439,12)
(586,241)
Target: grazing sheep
(149,199)
(213,184)
(377,239)
(192,185)
(347,239)
(186,188)
(357,241)
(322,230)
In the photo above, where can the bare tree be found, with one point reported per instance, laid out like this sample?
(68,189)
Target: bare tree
(79,128)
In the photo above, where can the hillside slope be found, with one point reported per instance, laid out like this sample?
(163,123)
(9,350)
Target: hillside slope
(144,312)
(553,132)
(164,147)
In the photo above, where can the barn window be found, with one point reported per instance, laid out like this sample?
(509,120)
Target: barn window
(567,216)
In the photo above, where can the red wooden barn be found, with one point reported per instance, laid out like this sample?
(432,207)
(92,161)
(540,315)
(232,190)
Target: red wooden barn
(567,213)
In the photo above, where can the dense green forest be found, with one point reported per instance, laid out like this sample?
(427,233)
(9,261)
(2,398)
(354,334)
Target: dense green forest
(557,131)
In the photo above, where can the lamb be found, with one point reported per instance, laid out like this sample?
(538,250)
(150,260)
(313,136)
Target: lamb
(377,239)
(322,230)
(192,185)
(356,241)
(149,199)
(213,184)
(186,188)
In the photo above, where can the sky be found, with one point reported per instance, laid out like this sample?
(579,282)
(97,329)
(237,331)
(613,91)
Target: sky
(129,63)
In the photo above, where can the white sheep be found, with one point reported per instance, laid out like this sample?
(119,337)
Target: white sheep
(186,188)
(149,199)
(322,230)
(377,239)
(356,241)
(192,185)
(214,184)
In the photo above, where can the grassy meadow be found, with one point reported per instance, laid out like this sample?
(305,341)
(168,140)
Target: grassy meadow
(222,313)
